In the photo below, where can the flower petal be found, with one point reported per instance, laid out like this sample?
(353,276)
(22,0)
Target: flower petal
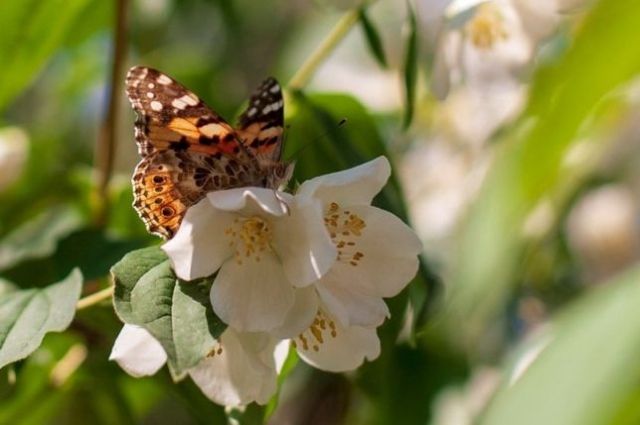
(200,247)
(137,352)
(355,186)
(303,244)
(346,351)
(252,296)
(389,251)
(300,315)
(349,306)
(239,374)
(251,200)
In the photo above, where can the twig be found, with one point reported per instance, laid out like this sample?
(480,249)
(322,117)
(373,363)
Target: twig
(309,67)
(105,148)
(95,298)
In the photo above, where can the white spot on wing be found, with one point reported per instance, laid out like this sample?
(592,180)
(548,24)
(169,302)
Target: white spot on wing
(190,99)
(163,79)
(178,104)
(151,85)
(275,88)
(156,106)
(210,130)
(150,95)
(251,112)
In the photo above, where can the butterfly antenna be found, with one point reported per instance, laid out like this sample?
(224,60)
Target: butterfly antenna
(296,154)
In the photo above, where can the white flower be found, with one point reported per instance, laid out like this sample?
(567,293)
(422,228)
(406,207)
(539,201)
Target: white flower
(486,43)
(243,369)
(263,246)
(377,256)
(13,155)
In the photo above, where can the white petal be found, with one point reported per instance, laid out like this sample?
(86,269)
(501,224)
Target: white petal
(137,352)
(239,374)
(346,351)
(281,354)
(349,306)
(390,251)
(357,185)
(252,200)
(303,243)
(300,315)
(252,296)
(200,246)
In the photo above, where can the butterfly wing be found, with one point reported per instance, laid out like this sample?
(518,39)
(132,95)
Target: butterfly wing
(187,150)
(261,125)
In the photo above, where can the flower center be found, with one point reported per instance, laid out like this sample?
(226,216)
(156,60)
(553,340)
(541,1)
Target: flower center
(250,237)
(315,335)
(486,27)
(345,228)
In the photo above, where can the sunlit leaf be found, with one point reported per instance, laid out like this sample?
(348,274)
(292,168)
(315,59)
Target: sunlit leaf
(29,314)
(32,30)
(588,368)
(177,313)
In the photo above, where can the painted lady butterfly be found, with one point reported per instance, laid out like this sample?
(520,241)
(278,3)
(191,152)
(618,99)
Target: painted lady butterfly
(188,150)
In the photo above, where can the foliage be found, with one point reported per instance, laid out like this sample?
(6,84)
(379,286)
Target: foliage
(581,368)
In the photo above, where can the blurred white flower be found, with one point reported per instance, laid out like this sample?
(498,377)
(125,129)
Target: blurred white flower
(263,246)
(242,369)
(602,229)
(440,179)
(14,146)
(484,50)
(488,42)
(377,256)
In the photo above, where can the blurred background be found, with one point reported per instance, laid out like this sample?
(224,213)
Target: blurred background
(512,126)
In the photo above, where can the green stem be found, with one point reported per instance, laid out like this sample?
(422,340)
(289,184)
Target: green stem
(95,298)
(309,67)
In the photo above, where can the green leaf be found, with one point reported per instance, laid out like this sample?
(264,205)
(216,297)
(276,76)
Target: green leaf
(28,315)
(38,237)
(590,363)
(177,313)
(91,250)
(32,31)
(373,38)
(529,167)
(410,66)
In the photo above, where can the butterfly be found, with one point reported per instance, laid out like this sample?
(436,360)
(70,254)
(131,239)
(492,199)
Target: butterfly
(188,150)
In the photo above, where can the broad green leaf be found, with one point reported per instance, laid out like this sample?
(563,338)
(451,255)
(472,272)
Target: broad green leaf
(529,165)
(32,30)
(373,38)
(91,250)
(177,313)
(28,315)
(588,369)
(127,272)
(38,237)
(410,65)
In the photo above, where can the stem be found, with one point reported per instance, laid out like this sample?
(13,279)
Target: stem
(309,67)
(95,298)
(105,148)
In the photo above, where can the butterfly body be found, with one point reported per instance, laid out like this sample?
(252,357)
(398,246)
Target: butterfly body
(188,150)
